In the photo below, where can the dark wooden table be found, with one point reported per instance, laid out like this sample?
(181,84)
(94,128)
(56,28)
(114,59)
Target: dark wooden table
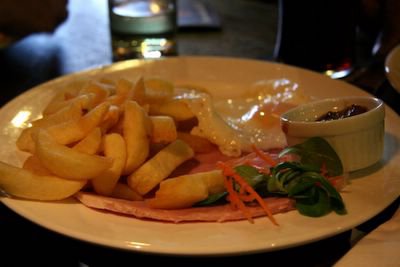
(248,29)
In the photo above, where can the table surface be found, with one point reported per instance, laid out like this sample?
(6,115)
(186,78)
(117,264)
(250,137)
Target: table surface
(248,30)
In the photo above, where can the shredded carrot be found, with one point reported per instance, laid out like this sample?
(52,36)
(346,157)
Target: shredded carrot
(251,195)
(257,197)
(235,200)
(226,169)
(267,158)
(229,188)
(246,197)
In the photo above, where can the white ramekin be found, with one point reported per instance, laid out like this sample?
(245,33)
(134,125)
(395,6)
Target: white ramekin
(358,140)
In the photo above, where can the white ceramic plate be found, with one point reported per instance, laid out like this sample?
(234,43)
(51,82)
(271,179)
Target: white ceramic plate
(369,192)
(392,67)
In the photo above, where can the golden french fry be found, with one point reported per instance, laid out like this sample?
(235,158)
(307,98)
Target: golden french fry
(75,130)
(197,143)
(180,192)
(67,92)
(100,91)
(164,129)
(110,119)
(156,169)
(116,100)
(214,181)
(33,164)
(118,127)
(109,82)
(66,162)
(123,91)
(186,190)
(24,184)
(91,143)
(25,141)
(123,87)
(125,192)
(85,101)
(158,90)
(138,93)
(71,112)
(175,108)
(114,147)
(136,132)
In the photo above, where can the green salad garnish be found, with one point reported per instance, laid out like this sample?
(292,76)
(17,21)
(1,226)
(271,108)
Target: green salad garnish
(302,179)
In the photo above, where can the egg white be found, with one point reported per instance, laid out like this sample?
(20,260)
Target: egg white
(235,124)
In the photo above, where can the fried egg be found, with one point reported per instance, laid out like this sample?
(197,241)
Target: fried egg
(253,118)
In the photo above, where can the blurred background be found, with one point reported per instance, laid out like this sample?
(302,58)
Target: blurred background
(82,41)
(50,38)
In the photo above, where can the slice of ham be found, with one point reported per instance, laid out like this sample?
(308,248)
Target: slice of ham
(220,213)
(207,161)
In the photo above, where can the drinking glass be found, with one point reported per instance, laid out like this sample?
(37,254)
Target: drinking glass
(318,35)
(142,28)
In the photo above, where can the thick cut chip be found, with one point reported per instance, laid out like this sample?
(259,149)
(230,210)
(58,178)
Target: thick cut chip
(100,91)
(111,118)
(123,191)
(33,164)
(156,169)
(70,112)
(213,179)
(158,90)
(24,184)
(123,92)
(175,108)
(186,190)
(119,126)
(123,87)
(139,92)
(75,130)
(164,129)
(66,162)
(197,143)
(114,147)
(67,92)
(25,141)
(91,143)
(108,82)
(136,128)
(180,192)
(85,101)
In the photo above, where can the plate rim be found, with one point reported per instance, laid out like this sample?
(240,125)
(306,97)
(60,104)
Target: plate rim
(391,70)
(107,67)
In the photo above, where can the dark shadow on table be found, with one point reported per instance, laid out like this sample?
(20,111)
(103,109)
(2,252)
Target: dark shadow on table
(27,63)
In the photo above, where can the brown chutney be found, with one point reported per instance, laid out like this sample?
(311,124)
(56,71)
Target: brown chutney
(344,113)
